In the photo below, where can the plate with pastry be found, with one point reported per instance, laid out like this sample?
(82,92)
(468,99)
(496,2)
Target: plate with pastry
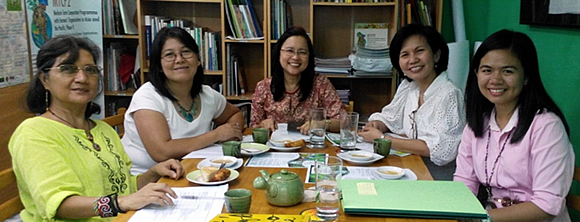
(287,146)
(210,175)
(251,149)
(207,162)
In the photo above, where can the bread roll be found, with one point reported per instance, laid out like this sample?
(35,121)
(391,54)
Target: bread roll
(295,143)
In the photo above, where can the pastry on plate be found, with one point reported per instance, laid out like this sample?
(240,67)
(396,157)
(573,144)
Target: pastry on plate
(295,143)
(212,174)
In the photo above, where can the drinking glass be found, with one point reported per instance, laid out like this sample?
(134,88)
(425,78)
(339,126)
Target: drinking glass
(328,175)
(348,128)
(317,127)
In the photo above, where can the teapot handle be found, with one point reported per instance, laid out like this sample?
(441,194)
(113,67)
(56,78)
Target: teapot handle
(265,175)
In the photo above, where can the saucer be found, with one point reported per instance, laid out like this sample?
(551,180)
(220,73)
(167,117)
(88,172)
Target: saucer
(282,148)
(251,149)
(347,158)
(206,162)
(195,177)
(409,175)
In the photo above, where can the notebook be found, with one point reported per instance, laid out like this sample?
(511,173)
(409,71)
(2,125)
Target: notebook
(404,198)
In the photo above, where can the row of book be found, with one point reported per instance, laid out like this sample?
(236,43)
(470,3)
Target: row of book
(122,68)
(209,42)
(414,11)
(118,17)
(235,76)
(242,20)
(281,17)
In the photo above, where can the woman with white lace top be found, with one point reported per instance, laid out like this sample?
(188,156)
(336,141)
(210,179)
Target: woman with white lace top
(427,112)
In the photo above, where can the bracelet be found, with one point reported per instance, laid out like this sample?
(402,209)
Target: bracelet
(107,206)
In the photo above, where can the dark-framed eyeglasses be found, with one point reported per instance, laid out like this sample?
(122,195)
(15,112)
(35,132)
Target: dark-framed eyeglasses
(171,56)
(72,70)
(413,125)
(292,52)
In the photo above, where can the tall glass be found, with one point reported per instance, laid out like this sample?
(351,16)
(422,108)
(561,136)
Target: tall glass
(317,127)
(348,128)
(328,175)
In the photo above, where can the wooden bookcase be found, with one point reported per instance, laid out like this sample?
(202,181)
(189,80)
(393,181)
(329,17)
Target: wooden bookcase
(330,26)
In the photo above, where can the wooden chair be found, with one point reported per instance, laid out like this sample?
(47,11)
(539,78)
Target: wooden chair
(350,106)
(573,200)
(13,205)
(117,120)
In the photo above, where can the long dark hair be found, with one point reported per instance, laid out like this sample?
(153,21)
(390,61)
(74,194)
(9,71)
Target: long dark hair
(156,75)
(46,57)
(434,39)
(306,78)
(533,98)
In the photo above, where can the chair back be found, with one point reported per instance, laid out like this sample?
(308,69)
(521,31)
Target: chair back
(13,205)
(573,200)
(117,120)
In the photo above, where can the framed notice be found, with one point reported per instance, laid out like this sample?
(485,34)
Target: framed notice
(562,13)
(371,35)
(14,68)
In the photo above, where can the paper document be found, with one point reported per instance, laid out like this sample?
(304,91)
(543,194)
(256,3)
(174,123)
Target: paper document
(209,151)
(192,205)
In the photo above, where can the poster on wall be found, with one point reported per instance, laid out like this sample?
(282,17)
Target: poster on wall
(14,59)
(49,18)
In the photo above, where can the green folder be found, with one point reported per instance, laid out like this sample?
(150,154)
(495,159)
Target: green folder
(407,198)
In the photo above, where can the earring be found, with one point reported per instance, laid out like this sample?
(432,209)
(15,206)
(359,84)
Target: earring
(46,99)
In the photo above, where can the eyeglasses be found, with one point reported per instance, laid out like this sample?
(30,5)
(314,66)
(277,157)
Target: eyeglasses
(171,56)
(291,52)
(71,70)
(413,124)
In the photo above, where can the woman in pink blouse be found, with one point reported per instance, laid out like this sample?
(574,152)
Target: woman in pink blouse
(515,151)
(294,88)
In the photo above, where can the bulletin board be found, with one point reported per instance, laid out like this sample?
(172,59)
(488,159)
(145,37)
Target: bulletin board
(558,13)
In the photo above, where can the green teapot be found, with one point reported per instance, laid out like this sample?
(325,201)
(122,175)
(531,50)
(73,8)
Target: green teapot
(282,189)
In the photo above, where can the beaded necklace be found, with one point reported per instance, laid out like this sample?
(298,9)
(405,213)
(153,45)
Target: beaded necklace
(190,113)
(488,178)
(87,131)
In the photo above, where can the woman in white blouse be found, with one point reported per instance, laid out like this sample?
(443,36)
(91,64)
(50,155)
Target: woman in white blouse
(427,113)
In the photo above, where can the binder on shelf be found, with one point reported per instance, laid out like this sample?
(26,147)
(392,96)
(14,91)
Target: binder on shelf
(255,21)
(407,198)
(128,8)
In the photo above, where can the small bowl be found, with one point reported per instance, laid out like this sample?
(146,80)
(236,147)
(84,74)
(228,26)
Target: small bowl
(360,155)
(280,142)
(217,161)
(390,172)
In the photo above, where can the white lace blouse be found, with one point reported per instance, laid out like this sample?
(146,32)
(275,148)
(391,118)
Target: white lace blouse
(439,121)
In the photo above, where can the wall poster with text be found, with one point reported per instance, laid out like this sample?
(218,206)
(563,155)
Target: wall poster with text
(14,68)
(49,18)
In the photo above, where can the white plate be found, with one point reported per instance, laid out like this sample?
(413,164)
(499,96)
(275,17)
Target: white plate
(254,148)
(195,177)
(206,162)
(345,157)
(282,148)
(409,175)
(281,142)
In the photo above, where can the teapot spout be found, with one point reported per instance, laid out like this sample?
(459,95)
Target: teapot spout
(262,181)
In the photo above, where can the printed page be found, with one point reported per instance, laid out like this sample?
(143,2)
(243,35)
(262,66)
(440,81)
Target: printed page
(282,160)
(194,204)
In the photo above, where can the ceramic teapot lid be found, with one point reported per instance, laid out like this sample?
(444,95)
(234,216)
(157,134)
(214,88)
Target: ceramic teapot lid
(284,175)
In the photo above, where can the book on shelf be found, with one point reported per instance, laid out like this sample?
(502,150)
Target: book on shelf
(128,8)
(242,19)
(282,17)
(371,35)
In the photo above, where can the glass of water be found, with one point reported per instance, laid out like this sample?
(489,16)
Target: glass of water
(348,130)
(317,127)
(328,175)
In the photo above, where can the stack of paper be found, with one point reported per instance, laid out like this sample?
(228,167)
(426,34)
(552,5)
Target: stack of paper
(405,198)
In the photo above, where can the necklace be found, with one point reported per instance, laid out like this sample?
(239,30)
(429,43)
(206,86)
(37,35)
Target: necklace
(87,132)
(295,91)
(488,179)
(190,113)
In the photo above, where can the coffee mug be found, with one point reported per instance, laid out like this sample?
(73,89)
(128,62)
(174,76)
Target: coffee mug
(232,148)
(238,200)
(382,146)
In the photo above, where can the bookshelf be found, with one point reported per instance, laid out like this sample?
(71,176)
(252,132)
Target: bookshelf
(330,25)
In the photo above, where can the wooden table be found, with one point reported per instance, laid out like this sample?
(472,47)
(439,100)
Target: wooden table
(259,203)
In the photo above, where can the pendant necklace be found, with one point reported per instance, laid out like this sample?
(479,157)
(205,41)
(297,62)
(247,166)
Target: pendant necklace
(190,113)
(87,132)
(488,178)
